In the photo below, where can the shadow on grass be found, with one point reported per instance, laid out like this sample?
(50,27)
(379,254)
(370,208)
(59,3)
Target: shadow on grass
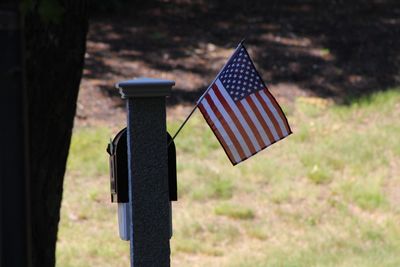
(336,49)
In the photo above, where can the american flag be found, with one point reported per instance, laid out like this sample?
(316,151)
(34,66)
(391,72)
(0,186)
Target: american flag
(240,110)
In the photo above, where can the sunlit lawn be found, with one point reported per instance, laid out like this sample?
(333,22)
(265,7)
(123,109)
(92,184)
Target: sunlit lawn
(328,195)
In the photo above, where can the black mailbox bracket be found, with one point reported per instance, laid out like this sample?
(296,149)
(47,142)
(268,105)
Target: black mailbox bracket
(117,149)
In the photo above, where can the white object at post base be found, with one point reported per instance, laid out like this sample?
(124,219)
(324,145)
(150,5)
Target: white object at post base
(124,221)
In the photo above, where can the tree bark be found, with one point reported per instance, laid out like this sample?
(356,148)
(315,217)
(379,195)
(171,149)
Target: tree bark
(55,49)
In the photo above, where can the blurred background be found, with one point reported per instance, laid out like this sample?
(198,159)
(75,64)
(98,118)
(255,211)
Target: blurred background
(328,195)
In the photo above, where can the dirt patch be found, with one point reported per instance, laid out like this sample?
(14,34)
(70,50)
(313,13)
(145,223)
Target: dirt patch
(338,50)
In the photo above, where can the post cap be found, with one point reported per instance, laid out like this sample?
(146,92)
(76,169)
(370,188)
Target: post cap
(144,87)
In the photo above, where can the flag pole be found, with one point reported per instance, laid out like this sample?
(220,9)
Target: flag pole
(204,94)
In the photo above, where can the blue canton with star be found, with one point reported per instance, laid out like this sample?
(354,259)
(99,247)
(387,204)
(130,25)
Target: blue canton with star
(239,77)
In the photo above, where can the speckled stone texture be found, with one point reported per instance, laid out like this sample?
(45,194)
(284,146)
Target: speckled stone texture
(148,176)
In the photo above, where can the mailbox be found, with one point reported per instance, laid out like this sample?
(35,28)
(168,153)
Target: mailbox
(119,181)
(117,149)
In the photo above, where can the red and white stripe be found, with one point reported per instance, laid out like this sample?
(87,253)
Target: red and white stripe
(244,127)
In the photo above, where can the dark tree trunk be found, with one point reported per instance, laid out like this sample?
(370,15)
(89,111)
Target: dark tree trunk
(55,48)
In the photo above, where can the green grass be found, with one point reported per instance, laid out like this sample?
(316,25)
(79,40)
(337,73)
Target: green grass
(87,152)
(367,194)
(214,187)
(234,211)
(328,195)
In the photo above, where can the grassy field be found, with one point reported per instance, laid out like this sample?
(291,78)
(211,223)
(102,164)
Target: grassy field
(328,195)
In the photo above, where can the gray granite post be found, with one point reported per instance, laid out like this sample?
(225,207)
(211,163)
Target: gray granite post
(148,170)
